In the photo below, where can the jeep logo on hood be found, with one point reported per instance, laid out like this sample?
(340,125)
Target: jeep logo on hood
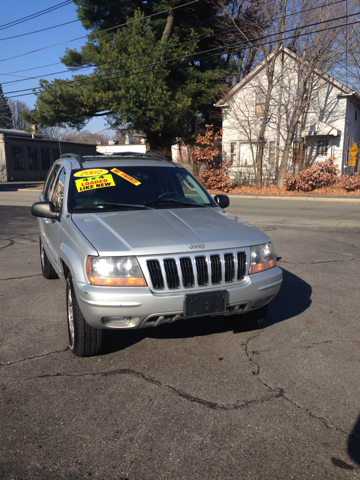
(199,245)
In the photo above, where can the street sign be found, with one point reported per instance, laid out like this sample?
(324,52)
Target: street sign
(354,150)
(352,162)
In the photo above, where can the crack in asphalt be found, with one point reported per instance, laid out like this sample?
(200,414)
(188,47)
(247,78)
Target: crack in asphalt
(307,347)
(7,246)
(13,242)
(280,392)
(178,392)
(19,278)
(318,263)
(275,393)
(33,357)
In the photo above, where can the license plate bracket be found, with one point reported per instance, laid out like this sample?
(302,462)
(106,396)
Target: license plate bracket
(201,304)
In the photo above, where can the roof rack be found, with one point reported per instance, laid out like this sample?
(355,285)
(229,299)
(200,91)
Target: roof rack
(77,156)
(154,156)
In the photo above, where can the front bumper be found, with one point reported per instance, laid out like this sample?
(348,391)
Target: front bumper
(146,308)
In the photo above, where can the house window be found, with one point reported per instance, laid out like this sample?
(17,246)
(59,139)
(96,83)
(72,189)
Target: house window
(45,158)
(233,152)
(32,157)
(355,115)
(17,157)
(322,147)
(259,103)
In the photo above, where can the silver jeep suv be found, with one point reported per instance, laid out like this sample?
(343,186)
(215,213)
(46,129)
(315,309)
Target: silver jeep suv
(139,242)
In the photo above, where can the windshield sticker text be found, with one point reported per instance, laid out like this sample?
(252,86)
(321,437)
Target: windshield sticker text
(91,173)
(92,183)
(126,176)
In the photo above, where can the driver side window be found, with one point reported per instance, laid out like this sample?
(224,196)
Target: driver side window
(50,180)
(58,192)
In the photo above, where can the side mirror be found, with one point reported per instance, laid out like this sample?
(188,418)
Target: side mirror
(45,210)
(222,200)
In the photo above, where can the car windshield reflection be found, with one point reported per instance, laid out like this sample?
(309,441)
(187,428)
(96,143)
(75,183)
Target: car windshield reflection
(135,187)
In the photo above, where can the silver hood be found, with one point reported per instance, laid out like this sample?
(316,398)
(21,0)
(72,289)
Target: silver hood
(165,231)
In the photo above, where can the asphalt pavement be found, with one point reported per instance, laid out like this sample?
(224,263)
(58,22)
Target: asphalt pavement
(199,399)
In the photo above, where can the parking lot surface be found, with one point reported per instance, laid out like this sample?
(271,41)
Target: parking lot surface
(198,399)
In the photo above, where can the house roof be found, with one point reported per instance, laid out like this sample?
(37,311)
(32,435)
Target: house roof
(320,128)
(222,103)
(19,133)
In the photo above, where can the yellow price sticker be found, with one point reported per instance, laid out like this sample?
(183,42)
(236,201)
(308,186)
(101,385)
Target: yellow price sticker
(91,172)
(92,183)
(126,176)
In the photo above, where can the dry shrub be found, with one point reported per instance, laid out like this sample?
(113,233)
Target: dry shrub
(349,182)
(215,176)
(322,174)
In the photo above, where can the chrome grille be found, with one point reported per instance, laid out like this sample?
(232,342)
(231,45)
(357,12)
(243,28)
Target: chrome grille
(202,271)
(229,267)
(172,276)
(187,272)
(241,265)
(215,268)
(155,274)
(196,270)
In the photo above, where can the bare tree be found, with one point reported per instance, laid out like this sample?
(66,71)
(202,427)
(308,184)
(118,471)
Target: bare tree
(16,107)
(319,50)
(313,30)
(57,133)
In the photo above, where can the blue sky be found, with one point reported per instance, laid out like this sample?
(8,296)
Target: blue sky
(46,60)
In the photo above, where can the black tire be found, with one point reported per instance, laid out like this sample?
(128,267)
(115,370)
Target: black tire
(251,320)
(84,340)
(47,269)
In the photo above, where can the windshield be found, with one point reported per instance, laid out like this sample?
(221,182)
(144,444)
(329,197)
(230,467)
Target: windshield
(134,187)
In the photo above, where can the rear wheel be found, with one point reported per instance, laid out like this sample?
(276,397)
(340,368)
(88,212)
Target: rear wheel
(47,269)
(251,320)
(84,340)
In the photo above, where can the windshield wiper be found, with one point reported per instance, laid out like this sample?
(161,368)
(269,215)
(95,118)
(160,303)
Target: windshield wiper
(173,202)
(110,204)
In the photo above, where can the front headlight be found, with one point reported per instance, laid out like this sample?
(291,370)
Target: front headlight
(262,257)
(115,271)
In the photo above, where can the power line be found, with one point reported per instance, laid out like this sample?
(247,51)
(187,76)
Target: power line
(101,31)
(184,43)
(38,31)
(100,77)
(29,69)
(106,63)
(34,15)
(84,67)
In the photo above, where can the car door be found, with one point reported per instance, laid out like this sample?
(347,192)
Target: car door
(51,227)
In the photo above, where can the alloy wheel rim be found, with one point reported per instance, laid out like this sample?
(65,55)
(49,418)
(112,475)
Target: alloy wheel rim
(71,319)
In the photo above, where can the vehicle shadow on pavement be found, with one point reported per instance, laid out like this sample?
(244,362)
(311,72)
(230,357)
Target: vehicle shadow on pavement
(354,443)
(293,299)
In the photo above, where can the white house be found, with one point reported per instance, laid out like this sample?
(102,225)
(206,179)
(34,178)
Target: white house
(328,126)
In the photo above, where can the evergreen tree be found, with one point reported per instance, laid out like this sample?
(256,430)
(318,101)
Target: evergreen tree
(5,112)
(140,78)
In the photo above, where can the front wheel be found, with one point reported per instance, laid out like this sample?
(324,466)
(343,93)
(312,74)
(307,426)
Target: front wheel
(47,269)
(84,340)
